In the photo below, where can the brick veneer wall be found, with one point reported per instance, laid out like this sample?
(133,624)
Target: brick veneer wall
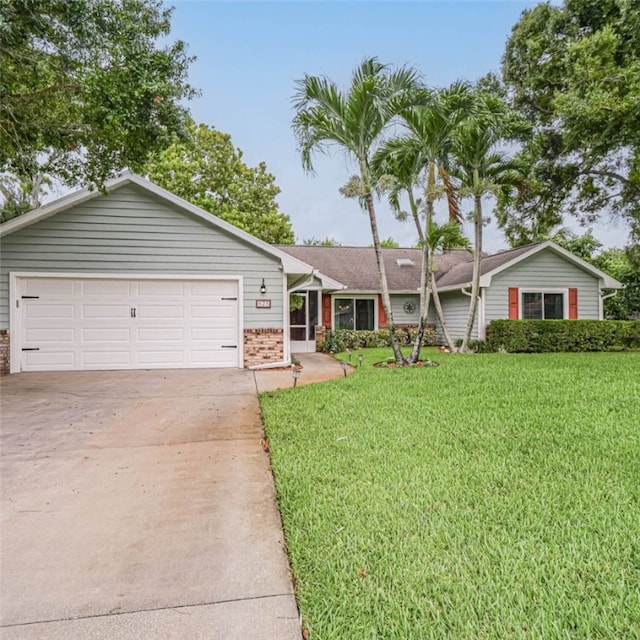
(263,346)
(321,336)
(4,352)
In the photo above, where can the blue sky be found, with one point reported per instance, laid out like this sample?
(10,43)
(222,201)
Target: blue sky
(249,55)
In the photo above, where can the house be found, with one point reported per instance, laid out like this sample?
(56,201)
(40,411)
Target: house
(537,281)
(137,278)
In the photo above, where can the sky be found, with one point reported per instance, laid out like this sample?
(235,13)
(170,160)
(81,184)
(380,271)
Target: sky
(249,55)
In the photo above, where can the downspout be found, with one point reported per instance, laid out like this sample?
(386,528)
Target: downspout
(476,320)
(603,298)
(482,320)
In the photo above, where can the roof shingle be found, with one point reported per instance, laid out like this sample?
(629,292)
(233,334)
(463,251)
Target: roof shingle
(356,267)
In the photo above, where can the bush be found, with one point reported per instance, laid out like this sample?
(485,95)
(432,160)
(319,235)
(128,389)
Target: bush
(342,339)
(540,336)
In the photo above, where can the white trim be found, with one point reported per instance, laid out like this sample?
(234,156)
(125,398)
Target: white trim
(369,292)
(289,263)
(309,345)
(119,276)
(15,324)
(371,296)
(600,304)
(565,299)
(286,317)
(15,333)
(481,327)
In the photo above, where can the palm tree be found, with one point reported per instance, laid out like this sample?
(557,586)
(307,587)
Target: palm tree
(482,170)
(443,237)
(354,121)
(421,159)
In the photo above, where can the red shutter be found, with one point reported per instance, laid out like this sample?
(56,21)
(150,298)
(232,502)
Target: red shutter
(514,303)
(573,304)
(382,316)
(326,310)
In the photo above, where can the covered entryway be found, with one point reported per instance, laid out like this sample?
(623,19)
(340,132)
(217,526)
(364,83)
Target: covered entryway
(73,323)
(303,320)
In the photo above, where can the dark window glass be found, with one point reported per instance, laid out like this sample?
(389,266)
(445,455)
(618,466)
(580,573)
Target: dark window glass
(553,306)
(365,315)
(343,315)
(542,306)
(350,313)
(532,306)
(313,313)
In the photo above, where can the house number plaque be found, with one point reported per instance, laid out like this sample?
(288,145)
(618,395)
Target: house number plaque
(263,304)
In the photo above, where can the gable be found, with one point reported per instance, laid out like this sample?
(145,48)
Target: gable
(130,230)
(544,270)
(545,266)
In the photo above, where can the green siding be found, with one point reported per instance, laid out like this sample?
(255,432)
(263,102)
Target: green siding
(455,306)
(400,316)
(544,270)
(130,231)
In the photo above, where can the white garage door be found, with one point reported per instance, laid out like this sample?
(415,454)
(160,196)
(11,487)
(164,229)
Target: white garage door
(95,323)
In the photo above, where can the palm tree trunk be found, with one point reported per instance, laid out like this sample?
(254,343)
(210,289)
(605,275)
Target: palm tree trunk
(425,281)
(414,214)
(475,284)
(425,300)
(440,313)
(382,274)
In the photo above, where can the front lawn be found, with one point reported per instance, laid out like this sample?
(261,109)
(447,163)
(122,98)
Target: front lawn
(495,496)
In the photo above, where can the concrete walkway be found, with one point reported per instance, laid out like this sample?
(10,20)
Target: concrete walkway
(316,367)
(139,504)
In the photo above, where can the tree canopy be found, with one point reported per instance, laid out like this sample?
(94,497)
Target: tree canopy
(88,87)
(574,71)
(321,242)
(207,170)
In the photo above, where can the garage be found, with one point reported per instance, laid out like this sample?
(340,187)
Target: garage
(67,322)
(133,277)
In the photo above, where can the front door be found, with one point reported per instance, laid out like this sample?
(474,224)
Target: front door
(303,319)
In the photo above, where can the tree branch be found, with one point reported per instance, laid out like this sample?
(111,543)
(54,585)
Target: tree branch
(608,174)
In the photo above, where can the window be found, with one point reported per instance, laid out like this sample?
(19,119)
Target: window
(540,305)
(354,313)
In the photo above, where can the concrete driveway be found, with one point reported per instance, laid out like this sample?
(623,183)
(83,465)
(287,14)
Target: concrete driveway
(139,505)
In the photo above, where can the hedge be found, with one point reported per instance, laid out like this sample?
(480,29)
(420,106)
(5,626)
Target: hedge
(538,336)
(342,339)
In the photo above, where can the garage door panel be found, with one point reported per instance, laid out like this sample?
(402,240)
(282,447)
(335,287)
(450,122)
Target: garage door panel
(223,288)
(225,335)
(160,310)
(160,334)
(105,334)
(85,323)
(106,311)
(49,335)
(44,310)
(105,288)
(161,288)
(54,360)
(161,358)
(223,311)
(50,286)
(120,359)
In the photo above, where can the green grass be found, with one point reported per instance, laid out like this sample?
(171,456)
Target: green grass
(496,496)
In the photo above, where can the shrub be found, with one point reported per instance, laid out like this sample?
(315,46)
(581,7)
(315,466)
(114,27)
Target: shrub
(342,339)
(538,336)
